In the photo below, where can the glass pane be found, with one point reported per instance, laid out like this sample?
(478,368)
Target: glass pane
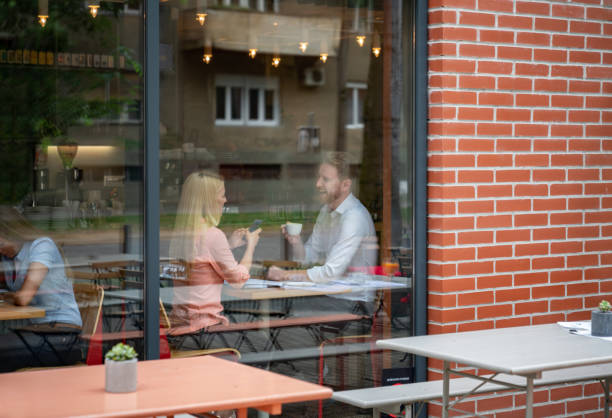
(269,104)
(253,104)
(236,102)
(71,152)
(285,165)
(220,102)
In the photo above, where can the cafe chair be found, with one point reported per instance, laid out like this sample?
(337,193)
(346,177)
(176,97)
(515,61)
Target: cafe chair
(89,298)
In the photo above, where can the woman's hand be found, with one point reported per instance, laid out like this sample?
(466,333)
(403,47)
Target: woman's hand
(252,238)
(237,238)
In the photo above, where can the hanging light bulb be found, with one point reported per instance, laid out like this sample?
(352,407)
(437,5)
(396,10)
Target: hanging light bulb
(252,53)
(303,46)
(43,12)
(201,18)
(276,62)
(360,40)
(376,45)
(93,10)
(42,19)
(207,51)
(323,57)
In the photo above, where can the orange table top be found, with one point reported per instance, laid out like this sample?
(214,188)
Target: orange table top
(8,311)
(165,387)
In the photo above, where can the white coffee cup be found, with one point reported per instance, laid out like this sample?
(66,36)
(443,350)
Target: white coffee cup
(293,228)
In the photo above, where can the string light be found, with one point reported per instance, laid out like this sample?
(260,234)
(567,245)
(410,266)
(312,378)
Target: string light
(376,51)
(207,58)
(323,57)
(252,53)
(360,40)
(201,18)
(276,62)
(376,44)
(303,46)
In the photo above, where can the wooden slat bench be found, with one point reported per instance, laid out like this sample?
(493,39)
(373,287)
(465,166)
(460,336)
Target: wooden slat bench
(390,399)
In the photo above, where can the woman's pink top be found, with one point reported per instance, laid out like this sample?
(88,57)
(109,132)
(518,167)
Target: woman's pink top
(198,305)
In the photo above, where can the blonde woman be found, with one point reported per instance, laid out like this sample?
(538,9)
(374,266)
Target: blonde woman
(207,254)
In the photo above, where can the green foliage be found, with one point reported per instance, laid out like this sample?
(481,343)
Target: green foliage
(121,352)
(41,102)
(604,306)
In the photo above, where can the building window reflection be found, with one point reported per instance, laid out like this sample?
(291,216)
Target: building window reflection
(246,100)
(356,93)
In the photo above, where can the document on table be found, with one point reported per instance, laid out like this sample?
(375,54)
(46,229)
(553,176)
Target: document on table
(581,328)
(318,287)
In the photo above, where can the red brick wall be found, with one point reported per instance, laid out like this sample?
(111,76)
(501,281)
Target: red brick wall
(520,170)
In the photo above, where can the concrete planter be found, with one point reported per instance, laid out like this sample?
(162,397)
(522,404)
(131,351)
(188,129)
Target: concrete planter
(601,324)
(121,376)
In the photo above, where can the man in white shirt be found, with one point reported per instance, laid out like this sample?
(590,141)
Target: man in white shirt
(343,235)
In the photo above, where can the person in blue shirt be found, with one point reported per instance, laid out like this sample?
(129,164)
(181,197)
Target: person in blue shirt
(34,274)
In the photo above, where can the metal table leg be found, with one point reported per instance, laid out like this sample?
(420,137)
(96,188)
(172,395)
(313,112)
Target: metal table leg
(445,390)
(529,402)
(607,382)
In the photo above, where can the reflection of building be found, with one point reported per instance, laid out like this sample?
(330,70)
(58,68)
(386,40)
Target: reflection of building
(260,114)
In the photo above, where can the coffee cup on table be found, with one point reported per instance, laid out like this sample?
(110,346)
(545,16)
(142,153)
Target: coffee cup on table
(293,228)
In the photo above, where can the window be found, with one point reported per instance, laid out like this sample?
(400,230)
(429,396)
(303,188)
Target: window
(246,100)
(354,105)
(259,5)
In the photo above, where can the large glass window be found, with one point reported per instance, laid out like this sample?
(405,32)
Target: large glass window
(288,119)
(71,88)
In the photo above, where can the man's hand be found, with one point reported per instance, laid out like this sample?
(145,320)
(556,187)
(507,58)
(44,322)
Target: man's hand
(277,274)
(292,239)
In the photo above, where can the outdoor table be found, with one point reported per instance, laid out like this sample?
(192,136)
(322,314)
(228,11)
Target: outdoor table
(523,351)
(9,312)
(165,387)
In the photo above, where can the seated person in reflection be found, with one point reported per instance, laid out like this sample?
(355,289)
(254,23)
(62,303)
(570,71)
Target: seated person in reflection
(34,273)
(343,235)
(207,254)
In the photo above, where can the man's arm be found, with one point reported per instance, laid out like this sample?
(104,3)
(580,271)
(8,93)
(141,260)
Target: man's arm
(280,275)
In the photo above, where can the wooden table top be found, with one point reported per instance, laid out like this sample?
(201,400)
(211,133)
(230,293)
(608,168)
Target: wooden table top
(165,387)
(8,312)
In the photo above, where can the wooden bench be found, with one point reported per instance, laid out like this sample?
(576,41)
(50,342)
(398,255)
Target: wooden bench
(390,399)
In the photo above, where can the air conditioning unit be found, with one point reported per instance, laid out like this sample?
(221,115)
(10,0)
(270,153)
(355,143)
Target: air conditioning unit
(314,76)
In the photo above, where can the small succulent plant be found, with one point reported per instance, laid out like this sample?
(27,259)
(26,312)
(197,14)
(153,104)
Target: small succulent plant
(121,352)
(604,306)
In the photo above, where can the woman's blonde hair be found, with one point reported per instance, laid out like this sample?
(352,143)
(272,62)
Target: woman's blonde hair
(197,211)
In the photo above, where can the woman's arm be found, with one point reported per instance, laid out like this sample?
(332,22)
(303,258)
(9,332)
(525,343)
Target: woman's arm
(252,239)
(34,277)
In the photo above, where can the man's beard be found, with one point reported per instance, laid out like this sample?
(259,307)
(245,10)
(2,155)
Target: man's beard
(330,197)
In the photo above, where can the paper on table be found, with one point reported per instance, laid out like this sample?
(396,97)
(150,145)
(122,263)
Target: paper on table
(577,325)
(581,328)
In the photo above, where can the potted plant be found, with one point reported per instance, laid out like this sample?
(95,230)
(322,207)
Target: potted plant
(120,365)
(601,320)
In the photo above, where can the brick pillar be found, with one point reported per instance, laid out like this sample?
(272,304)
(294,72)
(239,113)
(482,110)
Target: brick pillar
(520,172)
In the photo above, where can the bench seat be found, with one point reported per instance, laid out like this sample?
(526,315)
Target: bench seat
(391,398)
(275,324)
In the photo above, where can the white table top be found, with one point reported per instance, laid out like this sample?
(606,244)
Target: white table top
(519,350)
